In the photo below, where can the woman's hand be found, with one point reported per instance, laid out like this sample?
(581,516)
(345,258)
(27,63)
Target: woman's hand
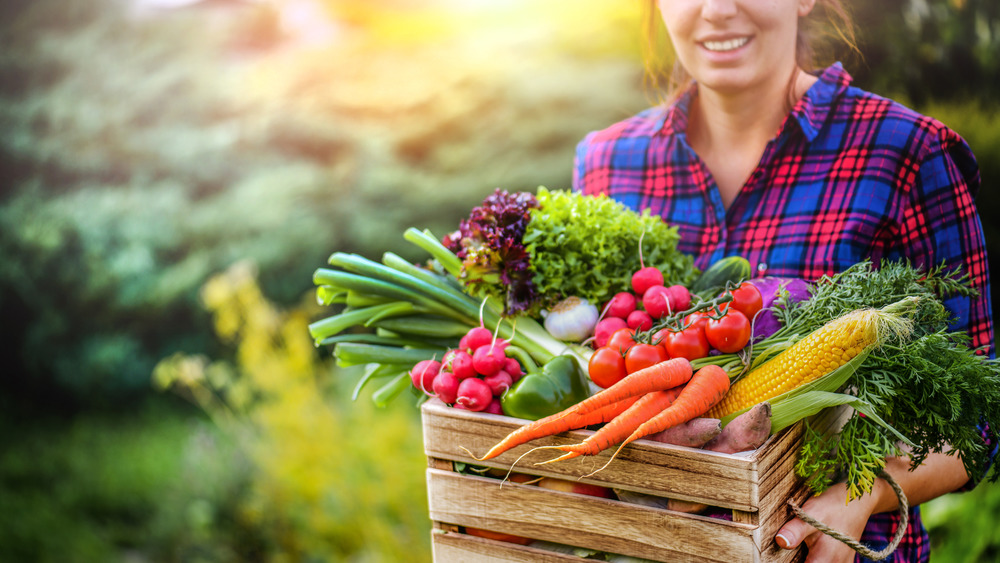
(937,475)
(830,509)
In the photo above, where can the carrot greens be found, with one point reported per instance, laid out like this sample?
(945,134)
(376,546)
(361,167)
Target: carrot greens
(930,387)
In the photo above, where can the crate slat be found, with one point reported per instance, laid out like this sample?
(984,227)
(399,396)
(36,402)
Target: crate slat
(584,521)
(756,486)
(453,547)
(645,466)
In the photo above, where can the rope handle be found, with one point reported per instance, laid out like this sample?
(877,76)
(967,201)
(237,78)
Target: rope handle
(904,520)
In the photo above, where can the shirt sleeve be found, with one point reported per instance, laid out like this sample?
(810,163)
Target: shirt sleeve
(942,227)
(579,161)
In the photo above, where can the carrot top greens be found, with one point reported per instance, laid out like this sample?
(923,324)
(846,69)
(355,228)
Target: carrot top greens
(931,387)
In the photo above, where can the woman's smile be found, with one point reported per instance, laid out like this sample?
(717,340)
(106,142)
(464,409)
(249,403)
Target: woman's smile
(744,46)
(725,45)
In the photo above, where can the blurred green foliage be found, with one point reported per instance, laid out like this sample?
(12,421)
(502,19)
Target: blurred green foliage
(137,165)
(330,479)
(963,525)
(161,483)
(930,50)
(142,153)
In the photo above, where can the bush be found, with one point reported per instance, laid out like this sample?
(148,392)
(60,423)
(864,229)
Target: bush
(962,525)
(140,165)
(161,484)
(331,479)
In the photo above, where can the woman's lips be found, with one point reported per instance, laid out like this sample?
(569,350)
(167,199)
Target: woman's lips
(725,45)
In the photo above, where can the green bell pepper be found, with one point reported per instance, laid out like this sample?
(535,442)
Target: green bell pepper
(556,386)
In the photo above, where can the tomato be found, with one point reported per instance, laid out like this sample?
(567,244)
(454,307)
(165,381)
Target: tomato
(699,320)
(747,299)
(730,333)
(642,356)
(690,343)
(606,367)
(621,340)
(660,336)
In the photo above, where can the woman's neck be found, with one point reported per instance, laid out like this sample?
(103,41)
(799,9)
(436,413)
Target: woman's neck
(730,131)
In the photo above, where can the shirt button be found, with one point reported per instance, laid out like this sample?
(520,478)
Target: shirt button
(762,267)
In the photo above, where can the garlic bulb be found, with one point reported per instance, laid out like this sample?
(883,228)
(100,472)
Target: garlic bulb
(572,319)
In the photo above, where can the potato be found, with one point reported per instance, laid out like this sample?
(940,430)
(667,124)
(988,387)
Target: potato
(694,434)
(745,432)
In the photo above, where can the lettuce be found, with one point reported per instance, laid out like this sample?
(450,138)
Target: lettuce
(588,246)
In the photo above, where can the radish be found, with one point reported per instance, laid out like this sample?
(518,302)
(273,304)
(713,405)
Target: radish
(499,382)
(495,407)
(511,366)
(639,320)
(605,328)
(488,359)
(445,386)
(422,375)
(680,298)
(474,394)
(620,305)
(447,359)
(461,365)
(476,337)
(656,301)
(645,278)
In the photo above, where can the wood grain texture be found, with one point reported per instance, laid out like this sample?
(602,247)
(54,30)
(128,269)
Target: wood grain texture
(462,548)
(591,522)
(755,485)
(648,467)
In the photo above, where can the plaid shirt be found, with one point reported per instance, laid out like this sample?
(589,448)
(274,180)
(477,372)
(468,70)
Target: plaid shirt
(849,176)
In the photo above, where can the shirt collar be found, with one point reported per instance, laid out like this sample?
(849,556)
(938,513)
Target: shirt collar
(809,112)
(675,118)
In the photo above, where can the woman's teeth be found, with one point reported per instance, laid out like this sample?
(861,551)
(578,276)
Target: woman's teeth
(727,45)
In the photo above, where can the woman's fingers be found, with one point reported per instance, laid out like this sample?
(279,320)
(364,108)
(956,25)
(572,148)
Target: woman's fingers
(830,509)
(792,533)
(820,547)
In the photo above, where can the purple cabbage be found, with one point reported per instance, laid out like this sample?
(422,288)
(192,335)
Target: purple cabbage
(494,258)
(771,289)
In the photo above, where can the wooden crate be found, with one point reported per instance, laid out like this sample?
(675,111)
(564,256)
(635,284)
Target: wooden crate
(754,486)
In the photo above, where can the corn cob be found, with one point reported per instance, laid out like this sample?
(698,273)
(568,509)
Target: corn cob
(817,354)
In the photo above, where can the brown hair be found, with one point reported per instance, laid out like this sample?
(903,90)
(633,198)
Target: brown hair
(828,22)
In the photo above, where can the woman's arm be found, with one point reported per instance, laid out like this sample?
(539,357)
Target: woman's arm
(939,474)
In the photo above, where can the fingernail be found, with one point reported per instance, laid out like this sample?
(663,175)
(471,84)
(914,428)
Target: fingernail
(782,541)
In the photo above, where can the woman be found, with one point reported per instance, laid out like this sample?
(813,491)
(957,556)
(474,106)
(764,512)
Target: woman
(804,175)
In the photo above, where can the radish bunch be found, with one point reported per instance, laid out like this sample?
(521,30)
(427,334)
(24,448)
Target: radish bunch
(473,376)
(648,301)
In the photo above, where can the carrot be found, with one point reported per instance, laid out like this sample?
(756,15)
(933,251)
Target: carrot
(556,423)
(621,427)
(658,377)
(707,387)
